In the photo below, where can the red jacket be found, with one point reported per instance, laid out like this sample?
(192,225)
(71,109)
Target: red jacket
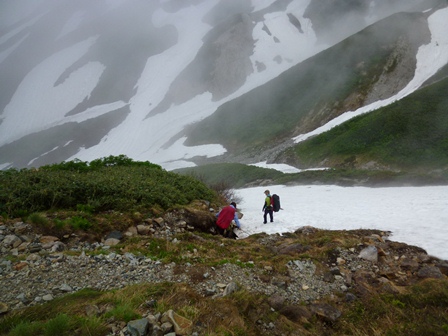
(225,217)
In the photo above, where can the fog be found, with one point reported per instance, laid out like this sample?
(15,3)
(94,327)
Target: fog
(79,62)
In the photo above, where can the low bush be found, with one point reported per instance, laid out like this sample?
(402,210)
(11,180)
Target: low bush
(116,183)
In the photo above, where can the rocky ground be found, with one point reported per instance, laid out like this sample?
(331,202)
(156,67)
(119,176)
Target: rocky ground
(35,268)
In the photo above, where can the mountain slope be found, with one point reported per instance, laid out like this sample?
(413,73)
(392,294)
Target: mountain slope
(373,64)
(87,80)
(409,134)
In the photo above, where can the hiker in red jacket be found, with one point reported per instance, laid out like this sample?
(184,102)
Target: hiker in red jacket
(225,218)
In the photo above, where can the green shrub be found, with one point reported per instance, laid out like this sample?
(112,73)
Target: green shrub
(85,208)
(113,183)
(26,328)
(60,325)
(80,223)
(123,312)
(38,219)
(59,224)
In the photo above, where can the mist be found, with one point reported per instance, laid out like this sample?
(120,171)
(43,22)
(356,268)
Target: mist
(131,68)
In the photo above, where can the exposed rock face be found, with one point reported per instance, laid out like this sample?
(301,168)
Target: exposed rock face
(220,67)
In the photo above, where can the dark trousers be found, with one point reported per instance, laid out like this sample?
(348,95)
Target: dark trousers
(220,231)
(271,215)
(226,233)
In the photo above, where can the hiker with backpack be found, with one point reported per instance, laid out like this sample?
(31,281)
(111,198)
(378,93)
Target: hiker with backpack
(271,205)
(225,217)
(268,207)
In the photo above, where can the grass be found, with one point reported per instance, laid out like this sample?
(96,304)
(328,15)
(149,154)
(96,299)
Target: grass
(409,134)
(421,310)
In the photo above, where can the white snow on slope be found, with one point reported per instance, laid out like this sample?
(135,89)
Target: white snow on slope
(415,215)
(430,58)
(24,116)
(151,138)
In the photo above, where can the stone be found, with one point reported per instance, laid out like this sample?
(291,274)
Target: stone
(92,310)
(111,242)
(326,312)
(47,297)
(230,288)
(276,301)
(3,308)
(138,327)
(182,325)
(65,288)
(11,241)
(115,234)
(370,253)
(48,239)
(409,264)
(430,272)
(143,230)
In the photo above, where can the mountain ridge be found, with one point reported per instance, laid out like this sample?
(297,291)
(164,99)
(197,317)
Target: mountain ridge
(124,81)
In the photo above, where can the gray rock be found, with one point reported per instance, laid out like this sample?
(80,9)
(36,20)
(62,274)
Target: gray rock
(138,327)
(430,272)
(370,253)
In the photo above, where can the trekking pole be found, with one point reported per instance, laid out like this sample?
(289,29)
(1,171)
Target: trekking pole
(244,231)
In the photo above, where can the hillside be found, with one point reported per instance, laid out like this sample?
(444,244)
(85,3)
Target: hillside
(164,270)
(409,135)
(373,64)
(184,83)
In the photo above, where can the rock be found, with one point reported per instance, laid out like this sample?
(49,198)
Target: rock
(182,325)
(430,272)
(409,264)
(443,267)
(20,227)
(11,241)
(369,253)
(326,312)
(115,234)
(20,265)
(349,297)
(47,297)
(138,327)
(3,308)
(58,247)
(144,229)
(276,301)
(230,288)
(159,221)
(296,313)
(92,310)
(65,288)
(293,249)
(131,232)
(48,240)
(111,242)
